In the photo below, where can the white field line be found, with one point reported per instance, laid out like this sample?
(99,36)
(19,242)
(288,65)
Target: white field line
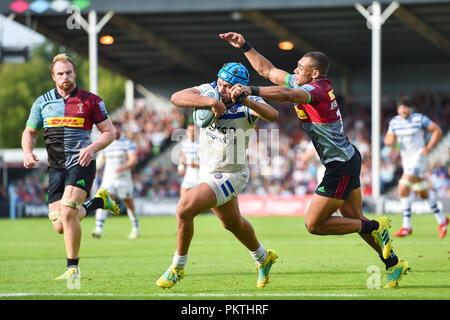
(162,295)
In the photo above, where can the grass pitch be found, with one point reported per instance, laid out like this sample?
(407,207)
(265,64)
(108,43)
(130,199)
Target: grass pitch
(219,267)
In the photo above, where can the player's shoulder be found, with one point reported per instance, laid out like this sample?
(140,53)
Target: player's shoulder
(128,142)
(396,119)
(206,86)
(47,97)
(87,96)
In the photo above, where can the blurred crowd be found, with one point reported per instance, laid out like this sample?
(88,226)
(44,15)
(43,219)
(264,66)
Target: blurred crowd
(278,169)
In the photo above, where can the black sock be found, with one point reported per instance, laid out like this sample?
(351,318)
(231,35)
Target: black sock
(367,226)
(93,204)
(391,261)
(72,262)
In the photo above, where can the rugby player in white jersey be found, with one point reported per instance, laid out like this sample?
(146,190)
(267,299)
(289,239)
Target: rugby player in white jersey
(119,158)
(224,171)
(409,129)
(189,165)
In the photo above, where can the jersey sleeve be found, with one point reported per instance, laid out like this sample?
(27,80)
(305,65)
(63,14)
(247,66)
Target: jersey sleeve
(131,146)
(205,86)
(390,127)
(98,111)
(425,121)
(290,83)
(35,118)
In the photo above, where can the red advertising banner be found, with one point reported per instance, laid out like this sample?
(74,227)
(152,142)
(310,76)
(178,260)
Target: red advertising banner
(268,205)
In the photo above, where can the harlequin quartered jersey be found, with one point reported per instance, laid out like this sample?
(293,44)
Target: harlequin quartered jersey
(224,144)
(321,119)
(410,133)
(67,123)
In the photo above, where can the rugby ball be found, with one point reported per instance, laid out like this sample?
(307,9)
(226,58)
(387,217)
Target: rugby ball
(204,117)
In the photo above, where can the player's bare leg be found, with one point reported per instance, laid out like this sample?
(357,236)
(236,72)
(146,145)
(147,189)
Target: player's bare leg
(232,220)
(55,213)
(352,208)
(194,201)
(319,219)
(70,211)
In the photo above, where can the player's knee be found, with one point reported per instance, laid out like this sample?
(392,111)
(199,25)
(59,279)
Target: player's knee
(55,218)
(311,227)
(185,209)
(68,203)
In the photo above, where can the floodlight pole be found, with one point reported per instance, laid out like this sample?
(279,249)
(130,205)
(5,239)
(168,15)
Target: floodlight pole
(92,28)
(375,19)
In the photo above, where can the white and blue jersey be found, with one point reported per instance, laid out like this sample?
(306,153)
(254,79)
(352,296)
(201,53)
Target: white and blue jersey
(116,155)
(224,144)
(410,134)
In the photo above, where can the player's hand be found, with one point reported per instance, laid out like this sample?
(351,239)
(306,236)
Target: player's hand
(218,108)
(86,155)
(233,38)
(239,89)
(425,152)
(30,160)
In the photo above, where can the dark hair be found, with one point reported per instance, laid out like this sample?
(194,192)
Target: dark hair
(321,62)
(404,101)
(117,123)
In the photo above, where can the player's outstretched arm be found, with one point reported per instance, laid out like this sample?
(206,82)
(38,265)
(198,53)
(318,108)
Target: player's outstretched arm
(262,65)
(191,98)
(274,93)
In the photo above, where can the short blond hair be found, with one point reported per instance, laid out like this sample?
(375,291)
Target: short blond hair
(64,58)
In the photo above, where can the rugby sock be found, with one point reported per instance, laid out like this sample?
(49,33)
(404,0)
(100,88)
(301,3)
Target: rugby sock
(72,262)
(133,219)
(100,217)
(260,255)
(179,261)
(406,211)
(93,204)
(391,261)
(433,204)
(367,226)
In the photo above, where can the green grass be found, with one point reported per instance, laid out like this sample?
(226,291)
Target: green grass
(219,267)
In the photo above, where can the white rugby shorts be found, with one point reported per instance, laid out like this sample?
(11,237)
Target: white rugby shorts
(120,188)
(191,178)
(415,165)
(226,185)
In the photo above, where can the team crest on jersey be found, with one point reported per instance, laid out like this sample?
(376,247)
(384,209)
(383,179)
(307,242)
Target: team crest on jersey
(218,176)
(80,108)
(233,109)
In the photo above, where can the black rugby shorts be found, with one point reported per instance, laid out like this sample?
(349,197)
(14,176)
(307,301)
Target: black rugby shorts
(78,176)
(341,178)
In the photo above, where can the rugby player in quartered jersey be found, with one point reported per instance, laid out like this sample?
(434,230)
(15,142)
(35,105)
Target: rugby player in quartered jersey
(67,114)
(315,103)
